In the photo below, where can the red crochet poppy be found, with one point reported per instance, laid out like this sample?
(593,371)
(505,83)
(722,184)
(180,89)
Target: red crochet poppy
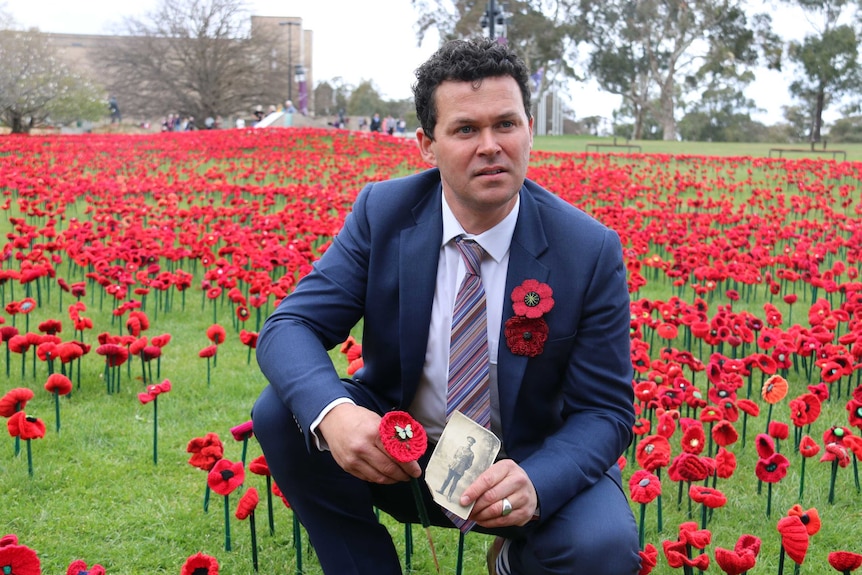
(845,561)
(205,451)
(667,330)
(59,383)
(772,469)
(765,445)
(854,412)
(403,437)
(742,558)
(808,447)
(644,486)
(748,406)
(653,452)
(247,503)
(805,409)
(153,391)
(689,467)
(258,466)
(708,496)
(693,439)
(854,444)
(836,434)
(649,559)
(725,463)
(677,556)
(836,452)
(115,355)
(724,434)
(646,390)
(532,299)
(526,336)
(810,518)
(200,564)
(666,425)
(216,334)
(691,535)
(14,400)
(248,338)
(20,425)
(208,351)
(277,492)
(794,537)
(779,430)
(242,431)
(19,560)
(225,476)
(79,567)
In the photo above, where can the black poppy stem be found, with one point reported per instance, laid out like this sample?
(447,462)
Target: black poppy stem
(832,480)
(227,522)
(423,517)
(253,540)
(781,561)
(297,543)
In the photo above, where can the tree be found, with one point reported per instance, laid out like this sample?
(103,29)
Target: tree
(365,100)
(199,58)
(828,59)
(36,87)
(655,52)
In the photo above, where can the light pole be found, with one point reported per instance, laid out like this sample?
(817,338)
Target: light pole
(290,24)
(494,21)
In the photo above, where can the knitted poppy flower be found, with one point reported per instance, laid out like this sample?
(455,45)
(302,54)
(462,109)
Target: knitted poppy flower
(724,434)
(708,496)
(667,330)
(153,391)
(691,535)
(748,407)
(200,564)
(258,466)
(765,445)
(225,476)
(854,412)
(526,336)
(725,463)
(810,518)
(772,469)
(532,299)
(805,409)
(644,486)
(205,451)
(666,425)
(677,556)
(689,467)
(794,537)
(649,559)
(59,383)
(808,447)
(216,334)
(26,427)
(14,400)
(645,391)
(403,437)
(641,426)
(242,431)
(837,453)
(845,561)
(693,439)
(208,351)
(248,338)
(779,430)
(774,389)
(835,434)
(79,567)
(742,558)
(247,504)
(653,452)
(854,444)
(19,560)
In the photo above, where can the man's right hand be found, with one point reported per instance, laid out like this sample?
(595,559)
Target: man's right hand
(352,434)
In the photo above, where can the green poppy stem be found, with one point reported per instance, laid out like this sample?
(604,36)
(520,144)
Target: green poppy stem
(207,499)
(768,499)
(253,540)
(297,543)
(156,430)
(423,517)
(832,480)
(29,458)
(781,561)
(408,547)
(269,505)
(57,409)
(227,522)
(802,478)
(459,565)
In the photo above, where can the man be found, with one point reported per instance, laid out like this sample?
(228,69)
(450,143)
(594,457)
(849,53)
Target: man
(561,406)
(460,463)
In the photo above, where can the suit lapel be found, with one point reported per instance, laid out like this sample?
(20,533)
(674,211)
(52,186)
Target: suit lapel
(528,243)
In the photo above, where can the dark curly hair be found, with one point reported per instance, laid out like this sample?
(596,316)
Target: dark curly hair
(465,61)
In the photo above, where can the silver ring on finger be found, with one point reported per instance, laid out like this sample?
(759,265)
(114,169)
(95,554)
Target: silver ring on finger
(507,507)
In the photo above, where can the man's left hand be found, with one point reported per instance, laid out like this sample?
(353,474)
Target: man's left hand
(503,480)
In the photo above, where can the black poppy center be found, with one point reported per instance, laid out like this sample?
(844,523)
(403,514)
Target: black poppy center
(201,571)
(227,474)
(527,336)
(772,467)
(532,299)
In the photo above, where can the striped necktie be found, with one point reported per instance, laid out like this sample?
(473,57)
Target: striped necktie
(468,388)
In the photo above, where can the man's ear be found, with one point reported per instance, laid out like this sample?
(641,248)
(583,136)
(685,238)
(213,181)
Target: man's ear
(426,147)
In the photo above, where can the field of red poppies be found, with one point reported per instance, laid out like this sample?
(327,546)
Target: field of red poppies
(136,272)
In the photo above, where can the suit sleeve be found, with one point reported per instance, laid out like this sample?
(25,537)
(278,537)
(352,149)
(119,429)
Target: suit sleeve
(596,396)
(292,347)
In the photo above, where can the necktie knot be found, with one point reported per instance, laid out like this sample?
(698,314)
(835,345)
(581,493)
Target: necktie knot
(471,253)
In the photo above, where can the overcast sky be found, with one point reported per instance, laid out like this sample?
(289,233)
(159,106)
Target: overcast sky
(367,40)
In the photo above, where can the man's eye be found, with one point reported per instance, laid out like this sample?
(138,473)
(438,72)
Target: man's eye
(465,129)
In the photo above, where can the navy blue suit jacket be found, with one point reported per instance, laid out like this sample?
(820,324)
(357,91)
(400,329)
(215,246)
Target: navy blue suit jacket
(566,414)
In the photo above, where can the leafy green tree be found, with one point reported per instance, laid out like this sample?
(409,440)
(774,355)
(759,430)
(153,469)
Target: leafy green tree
(654,53)
(37,88)
(366,100)
(828,59)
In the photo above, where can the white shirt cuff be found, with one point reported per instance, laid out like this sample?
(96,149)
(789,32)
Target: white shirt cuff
(319,442)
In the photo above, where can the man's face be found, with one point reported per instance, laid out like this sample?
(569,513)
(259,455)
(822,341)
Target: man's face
(481,145)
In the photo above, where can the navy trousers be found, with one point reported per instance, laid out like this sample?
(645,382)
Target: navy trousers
(594,534)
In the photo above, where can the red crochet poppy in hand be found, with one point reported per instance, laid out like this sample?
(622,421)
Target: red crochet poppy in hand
(18,559)
(206,451)
(225,476)
(79,567)
(14,400)
(403,437)
(845,561)
(247,504)
(200,564)
(526,336)
(532,299)
(20,425)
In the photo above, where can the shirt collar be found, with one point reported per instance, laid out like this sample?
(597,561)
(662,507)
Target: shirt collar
(494,241)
